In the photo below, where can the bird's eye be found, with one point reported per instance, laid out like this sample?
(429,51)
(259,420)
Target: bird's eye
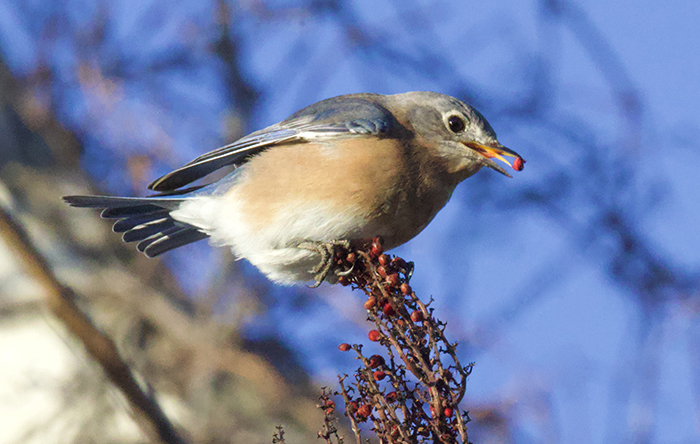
(456,124)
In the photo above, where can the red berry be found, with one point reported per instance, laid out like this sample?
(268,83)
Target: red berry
(376,361)
(370,303)
(344,347)
(518,164)
(379,375)
(448,412)
(406,289)
(384,259)
(374,335)
(351,407)
(329,407)
(377,246)
(365,410)
(382,271)
(391,397)
(388,310)
(392,279)
(417,316)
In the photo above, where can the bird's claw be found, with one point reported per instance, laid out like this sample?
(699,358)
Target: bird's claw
(327,251)
(345,272)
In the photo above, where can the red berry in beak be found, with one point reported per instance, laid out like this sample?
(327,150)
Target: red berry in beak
(518,164)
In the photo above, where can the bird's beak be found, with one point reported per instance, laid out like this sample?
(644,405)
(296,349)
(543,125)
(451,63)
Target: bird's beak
(497,150)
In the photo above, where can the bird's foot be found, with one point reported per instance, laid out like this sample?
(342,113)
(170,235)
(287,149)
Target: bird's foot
(328,252)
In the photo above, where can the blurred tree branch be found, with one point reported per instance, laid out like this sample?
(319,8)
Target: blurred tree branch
(61,302)
(22,96)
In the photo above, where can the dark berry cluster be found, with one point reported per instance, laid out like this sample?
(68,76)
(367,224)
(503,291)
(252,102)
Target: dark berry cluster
(411,394)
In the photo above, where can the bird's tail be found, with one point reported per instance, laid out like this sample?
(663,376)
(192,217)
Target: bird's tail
(145,220)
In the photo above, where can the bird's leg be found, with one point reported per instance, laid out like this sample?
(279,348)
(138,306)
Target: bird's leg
(327,251)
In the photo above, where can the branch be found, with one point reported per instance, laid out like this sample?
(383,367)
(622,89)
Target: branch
(412,395)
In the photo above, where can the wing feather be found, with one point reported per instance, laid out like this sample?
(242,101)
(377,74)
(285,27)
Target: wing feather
(338,117)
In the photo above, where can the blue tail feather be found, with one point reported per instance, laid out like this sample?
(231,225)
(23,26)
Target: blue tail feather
(145,220)
(172,240)
(141,232)
(126,224)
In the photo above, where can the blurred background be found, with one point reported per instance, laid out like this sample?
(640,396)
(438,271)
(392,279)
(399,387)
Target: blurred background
(573,287)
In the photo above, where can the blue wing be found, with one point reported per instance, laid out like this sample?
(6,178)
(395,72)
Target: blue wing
(344,116)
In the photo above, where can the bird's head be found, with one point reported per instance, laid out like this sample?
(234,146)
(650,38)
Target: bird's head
(457,134)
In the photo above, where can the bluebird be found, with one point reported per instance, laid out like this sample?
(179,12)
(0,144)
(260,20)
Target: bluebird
(333,175)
